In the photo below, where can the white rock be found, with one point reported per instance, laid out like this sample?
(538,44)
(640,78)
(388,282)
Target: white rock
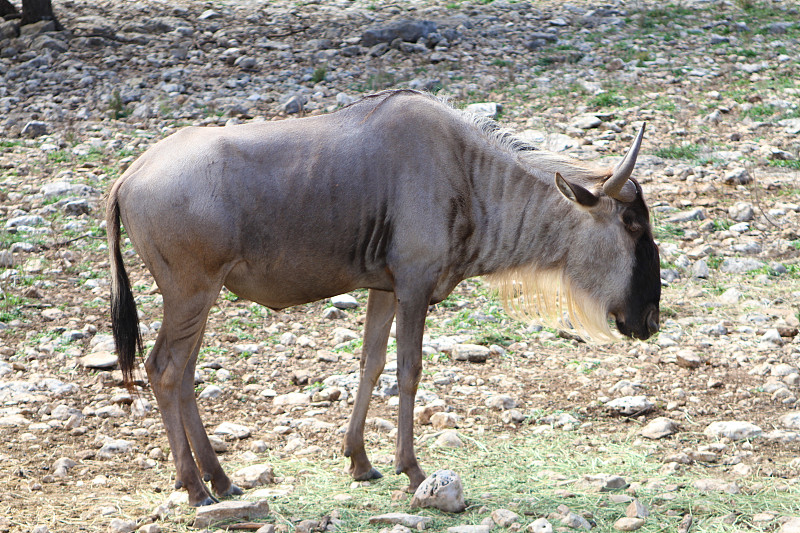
(586,122)
(441,490)
(716,485)
(631,405)
(344,301)
(230,510)
(254,476)
(627,523)
(409,520)
(484,109)
(540,525)
(118,525)
(211,392)
(444,420)
(790,526)
(341,335)
(237,430)
(291,399)
(112,447)
(501,402)
(504,517)
(449,439)
(732,429)
(791,420)
(474,353)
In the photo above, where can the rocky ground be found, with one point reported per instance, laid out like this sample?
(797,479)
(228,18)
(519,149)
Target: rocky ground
(716,82)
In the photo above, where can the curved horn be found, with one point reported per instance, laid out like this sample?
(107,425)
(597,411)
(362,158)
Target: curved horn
(617,185)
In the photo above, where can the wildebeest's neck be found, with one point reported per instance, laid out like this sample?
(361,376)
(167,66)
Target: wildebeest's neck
(517,215)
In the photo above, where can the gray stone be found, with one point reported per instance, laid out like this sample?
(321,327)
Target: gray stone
(64,188)
(449,439)
(112,447)
(231,510)
(480,528)
(500,402)
(211,392)
(441,490)
(254,476)
(741,212)
(732,429)
(474,353)
(484,109)
(688,216)
(586,122)
(405,30)
(575,521)
(790,125)
(237,430)
(344,301)
(36,28)
(658,428)
(341,335)
(209,14)
(25,220)
(738,176)
(716,485)
(688,359)
(409,520)
(35,128)
(637,509)
(102,360)
(119,525)
(77,207)
(293,105)
(627,523)
(9,29)
(291,399)
(630,405)
(732,265)
(504,517)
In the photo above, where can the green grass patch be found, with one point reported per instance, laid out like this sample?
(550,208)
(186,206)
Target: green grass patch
(760,111)
(527,473)
(678,151)
(606,99)
(666,231)
(793,164)
(11,307)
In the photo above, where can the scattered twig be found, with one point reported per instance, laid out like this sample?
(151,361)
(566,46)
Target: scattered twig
(757,197)
(246,526)
(61,244)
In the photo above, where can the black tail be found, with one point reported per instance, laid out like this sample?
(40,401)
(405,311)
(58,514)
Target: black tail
(124,318)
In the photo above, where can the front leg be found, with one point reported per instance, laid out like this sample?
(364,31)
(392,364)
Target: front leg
(412,309)
(380,312)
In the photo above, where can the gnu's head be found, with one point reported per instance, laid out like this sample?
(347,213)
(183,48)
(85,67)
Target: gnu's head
(617,260)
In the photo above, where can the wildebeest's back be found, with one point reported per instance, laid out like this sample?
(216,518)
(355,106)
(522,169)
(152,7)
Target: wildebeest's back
(303,208)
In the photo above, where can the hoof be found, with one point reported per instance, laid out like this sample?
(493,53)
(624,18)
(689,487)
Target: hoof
(371,474)
(233,490)
(209,500)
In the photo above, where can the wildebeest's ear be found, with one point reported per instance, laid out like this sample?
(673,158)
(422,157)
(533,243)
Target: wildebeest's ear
(575,193)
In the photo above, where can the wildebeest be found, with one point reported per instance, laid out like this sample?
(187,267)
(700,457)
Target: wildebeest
(398,193)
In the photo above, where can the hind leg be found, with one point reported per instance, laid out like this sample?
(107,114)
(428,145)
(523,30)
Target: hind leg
(380,312)
(170,361)
(204,454)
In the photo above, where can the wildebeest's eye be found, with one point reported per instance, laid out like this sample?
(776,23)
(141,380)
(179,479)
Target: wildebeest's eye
(630,222)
